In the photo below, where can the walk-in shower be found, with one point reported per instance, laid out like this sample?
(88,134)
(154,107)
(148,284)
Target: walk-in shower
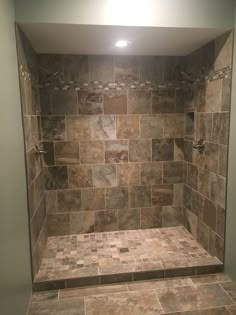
(126,159)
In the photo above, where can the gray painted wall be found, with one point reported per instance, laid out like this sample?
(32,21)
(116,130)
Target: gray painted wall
(230,255)
(15,271)
(161,13)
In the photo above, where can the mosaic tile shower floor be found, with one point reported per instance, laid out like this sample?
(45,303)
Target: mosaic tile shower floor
(86,255)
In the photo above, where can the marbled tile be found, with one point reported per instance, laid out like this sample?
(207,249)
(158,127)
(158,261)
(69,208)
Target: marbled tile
(66,152)
(213,96)
(104,175)
(69,200)
(51,201)
(93,199)
(53,127)
(103,127)
(117,198)
(151,217)
(64,102)
(173,126)
(162,195)
(204,126)
(82,222)
(92,152)
(95,290)
(191,222)
(101,68)
(126,68)
(179,149)
(197,203)
(56,177)
(204,178)
(223,51)
(140,196)
(48,158)
(192,176)
(30,164)
(162,149)
(39,187)
(220,221)
(128,219)
(75,68)
(192,297)
(209,213)
(218,189)
(58,224)
(226,95)
(106,220)
(140,150)
(223,155)
(200,97)
(127,126)
(211,156)
(90,102)
(116,151)
(128,174)
(189,125)
(203,234)
(78,128)
(58,307)
(172,216)
(230,288)
(173,172)
(45,100)
(151,126)
(38,297)
(131,303)
(80,176)
(163,101)
(115,102)
(220,130)
(139,101)
(151,173)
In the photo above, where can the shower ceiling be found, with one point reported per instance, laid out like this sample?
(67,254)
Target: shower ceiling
(100,40)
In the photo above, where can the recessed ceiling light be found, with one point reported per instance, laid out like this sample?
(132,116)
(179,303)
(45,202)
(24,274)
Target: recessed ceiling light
(122,43)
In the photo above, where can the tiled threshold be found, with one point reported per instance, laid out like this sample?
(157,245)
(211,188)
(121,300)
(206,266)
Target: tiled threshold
(116,257)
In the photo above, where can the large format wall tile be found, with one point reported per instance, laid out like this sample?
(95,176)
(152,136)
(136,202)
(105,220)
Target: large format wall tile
(104,175)
(127,126)
(80,176)
(117,198)
(140,196)
(78,128)
(67,153)
(53,127)
(139,101)
(115,102)
(140,150)
(116,151)
(126,68)
(162,149)
(90,102)
(162,195)
(163,101)
(93,199)
(151,173)
(56,177)
(151,126)
(103,127)
(92,152)
(128,174)
(68,200)
(64,102)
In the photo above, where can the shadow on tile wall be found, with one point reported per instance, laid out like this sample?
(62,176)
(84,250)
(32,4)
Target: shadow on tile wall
(207,110)
(30,101)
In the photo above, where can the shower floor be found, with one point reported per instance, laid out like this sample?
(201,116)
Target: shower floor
(98,258)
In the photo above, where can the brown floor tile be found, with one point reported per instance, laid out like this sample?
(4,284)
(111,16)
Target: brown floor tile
(127,303)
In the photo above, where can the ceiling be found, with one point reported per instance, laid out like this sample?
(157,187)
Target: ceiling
(100,40)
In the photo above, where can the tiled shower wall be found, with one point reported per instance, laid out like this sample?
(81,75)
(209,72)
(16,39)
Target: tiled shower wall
(207,107)
(28,76)
(114,138)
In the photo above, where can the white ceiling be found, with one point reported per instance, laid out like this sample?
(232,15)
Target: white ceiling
(100,40)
